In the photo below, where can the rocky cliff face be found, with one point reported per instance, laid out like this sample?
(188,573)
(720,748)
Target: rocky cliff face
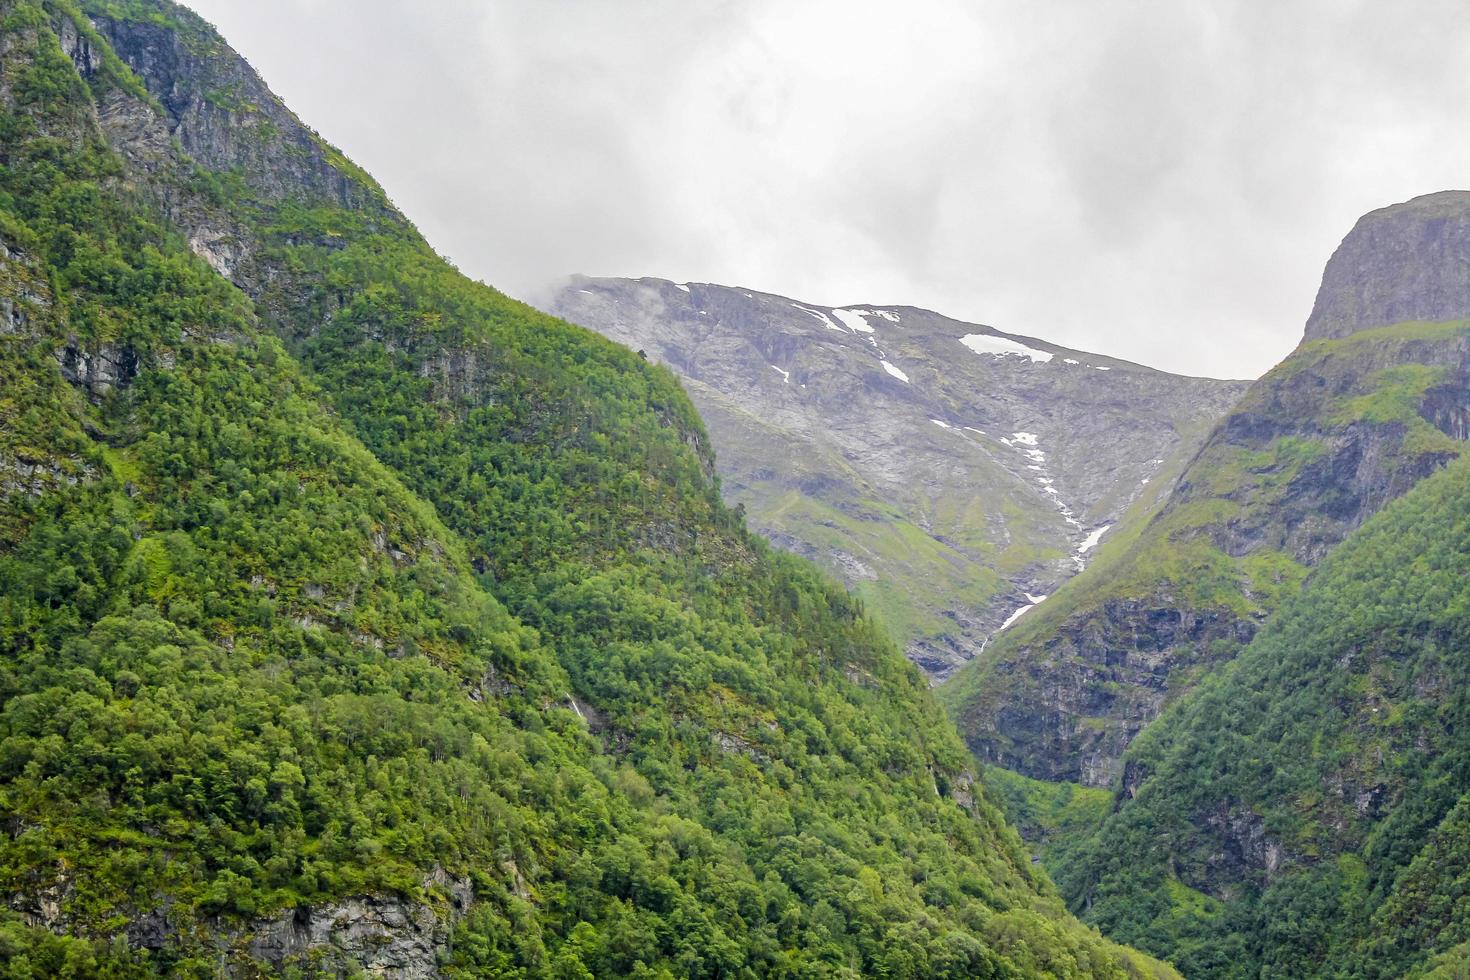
(950,473)
(1410,261)
(1343,426)
(204,88)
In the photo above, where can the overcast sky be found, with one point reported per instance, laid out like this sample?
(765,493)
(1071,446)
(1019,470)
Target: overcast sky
(1161,181)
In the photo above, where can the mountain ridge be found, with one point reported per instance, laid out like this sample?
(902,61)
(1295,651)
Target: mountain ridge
(950,472)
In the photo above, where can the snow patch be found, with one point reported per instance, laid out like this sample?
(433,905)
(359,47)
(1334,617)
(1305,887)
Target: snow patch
(826,320)
(1097,367)
(853,320)
(1032,602)
(587,291)
(1002,347)
(680,285)
(785,375)
(895,372)
(1030,446)
(1093,539)
(941,423)
(1070,360)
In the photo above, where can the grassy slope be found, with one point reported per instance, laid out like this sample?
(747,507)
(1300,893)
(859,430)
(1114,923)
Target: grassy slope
(925,556)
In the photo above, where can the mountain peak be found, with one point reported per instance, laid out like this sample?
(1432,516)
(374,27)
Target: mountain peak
(1409,261)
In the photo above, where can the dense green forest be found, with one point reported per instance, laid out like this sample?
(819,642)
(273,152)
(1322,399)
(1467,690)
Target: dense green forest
(347,576)
(1316,789)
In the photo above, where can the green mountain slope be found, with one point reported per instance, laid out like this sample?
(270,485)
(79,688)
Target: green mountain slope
(1305,812)
(355,617)
(1341,427)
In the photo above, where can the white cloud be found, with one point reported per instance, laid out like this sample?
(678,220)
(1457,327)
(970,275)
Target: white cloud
(1155,181)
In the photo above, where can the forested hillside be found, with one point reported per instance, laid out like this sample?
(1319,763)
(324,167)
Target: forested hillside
(355,617)
(1305,813)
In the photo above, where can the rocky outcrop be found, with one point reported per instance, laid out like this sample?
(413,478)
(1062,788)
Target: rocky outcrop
(1407,262)
(97,368)
(1068,710)
(382,936)
(944,470)
(225,117)
(388,936)
(24,293)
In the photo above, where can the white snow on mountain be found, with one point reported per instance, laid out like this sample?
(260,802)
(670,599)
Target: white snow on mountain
(853,320)
(1032,601)
(1002,347)
(1093,539)
(820,316)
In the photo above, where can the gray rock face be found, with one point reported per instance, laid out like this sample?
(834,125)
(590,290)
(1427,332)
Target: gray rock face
(368,935)
(379,936)
(99,369)
(1407,262)
(201,84)
(23,293)
(1067,709)
(943,469)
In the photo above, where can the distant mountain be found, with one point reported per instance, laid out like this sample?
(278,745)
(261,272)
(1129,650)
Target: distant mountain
(952,474)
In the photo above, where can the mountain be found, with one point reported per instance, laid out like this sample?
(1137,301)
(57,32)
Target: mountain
(951,474)
(356,619)
(1403,262)
(1269,677)
(1307,812)
(1340,428)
